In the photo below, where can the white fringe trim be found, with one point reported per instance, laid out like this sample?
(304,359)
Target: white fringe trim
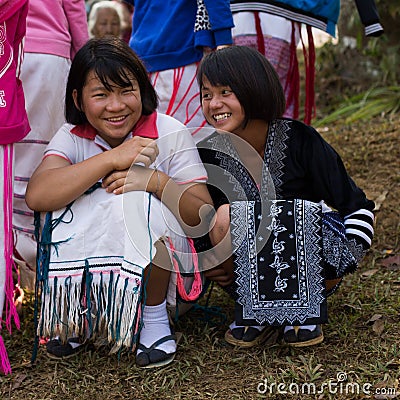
(64,317)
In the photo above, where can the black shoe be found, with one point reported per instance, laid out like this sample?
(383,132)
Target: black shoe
(298,337)
(150,357)
(248,336)
(58,350)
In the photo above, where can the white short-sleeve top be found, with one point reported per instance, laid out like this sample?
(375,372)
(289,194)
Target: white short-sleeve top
(178,156)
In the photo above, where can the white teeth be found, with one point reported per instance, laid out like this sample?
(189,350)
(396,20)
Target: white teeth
(219,117)
(116,119)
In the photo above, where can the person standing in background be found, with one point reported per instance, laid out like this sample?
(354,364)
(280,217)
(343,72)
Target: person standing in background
(185,29)
(104,19)
(126,14)
(55,32)
(14,126)
(274,28)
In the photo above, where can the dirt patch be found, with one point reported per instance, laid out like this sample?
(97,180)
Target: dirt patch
(371,153)
(361,342)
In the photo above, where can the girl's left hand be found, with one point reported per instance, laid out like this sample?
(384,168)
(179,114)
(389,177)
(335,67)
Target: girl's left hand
(132,179)
(220,275)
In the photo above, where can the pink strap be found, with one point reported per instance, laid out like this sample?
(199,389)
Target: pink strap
(5,363)
(9,306)
(197,285)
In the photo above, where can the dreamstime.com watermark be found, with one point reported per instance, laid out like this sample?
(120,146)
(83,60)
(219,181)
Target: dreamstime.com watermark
(338,386)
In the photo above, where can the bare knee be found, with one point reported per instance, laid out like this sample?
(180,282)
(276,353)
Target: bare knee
(221,225)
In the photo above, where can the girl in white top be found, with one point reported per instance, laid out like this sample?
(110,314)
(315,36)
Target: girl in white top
(126,189)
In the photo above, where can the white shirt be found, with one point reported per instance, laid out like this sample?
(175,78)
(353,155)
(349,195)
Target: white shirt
(178,156)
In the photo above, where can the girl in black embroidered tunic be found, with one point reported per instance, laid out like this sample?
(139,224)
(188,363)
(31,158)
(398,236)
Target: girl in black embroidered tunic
(289,222)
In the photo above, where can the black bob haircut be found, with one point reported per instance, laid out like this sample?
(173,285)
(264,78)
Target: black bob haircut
(113,61)
(250,76)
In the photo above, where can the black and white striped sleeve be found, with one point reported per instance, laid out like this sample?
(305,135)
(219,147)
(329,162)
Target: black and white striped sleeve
(369,17)
(359,225)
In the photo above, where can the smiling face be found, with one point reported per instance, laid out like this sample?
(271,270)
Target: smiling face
(112,111)
(221,107)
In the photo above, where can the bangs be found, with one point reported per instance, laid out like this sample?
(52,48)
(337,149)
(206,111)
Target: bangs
(219,74)
(250,76)
(114,64)
(111,74)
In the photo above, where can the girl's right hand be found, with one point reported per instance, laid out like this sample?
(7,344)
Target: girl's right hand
(137,150)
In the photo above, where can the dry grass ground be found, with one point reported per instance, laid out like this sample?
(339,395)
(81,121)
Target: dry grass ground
(362,341)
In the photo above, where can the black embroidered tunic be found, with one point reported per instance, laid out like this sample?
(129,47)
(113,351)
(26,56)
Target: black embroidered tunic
(304,184)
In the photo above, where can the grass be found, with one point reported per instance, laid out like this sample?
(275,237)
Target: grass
(364,106)
(361,346)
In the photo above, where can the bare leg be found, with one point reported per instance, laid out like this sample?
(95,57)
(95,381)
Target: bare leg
(156,326)
(330,283)
(223,274)
(220,237)
(160,272)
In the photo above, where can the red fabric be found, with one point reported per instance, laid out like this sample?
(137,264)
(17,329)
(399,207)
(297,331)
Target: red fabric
(178,75)
(145,127)
(84,131)
(260,36)
(293,77)
(309,63)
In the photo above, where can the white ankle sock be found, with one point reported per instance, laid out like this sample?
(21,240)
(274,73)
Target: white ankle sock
(309,327)
(156,326)
(233,326)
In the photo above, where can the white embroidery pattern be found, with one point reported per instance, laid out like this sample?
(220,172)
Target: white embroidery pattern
(303,276)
